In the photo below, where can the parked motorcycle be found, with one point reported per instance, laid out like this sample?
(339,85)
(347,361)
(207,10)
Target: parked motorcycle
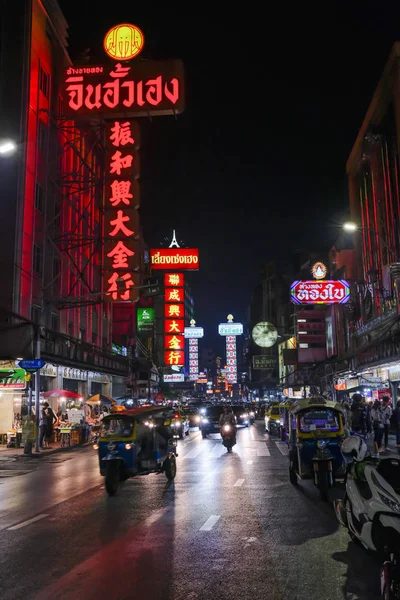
(228,437)
(370,509)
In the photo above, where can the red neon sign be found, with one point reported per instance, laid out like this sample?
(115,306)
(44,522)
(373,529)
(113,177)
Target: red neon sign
(174,357)
(121,222)
(174,295)
(171,258)
(152,88)
(174,342)
(174,326)
(320,292)
(174,310)
(174,279)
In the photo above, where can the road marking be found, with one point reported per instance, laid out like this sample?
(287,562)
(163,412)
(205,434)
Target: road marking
(239,483)
(156,516)
(209,524)
(252,434)
(282,447)
(263,451)
(195,452)
(28,522)
(217,451)
(249,462)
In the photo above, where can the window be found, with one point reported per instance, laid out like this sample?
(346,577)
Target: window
(55,322)
(39,197)
(44,82)
(56,267)
(71,329)
(35,313)
(82,335)
(42,135)
(37,258)
(94,338)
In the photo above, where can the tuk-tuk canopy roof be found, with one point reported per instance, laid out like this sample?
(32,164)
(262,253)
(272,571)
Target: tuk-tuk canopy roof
(315,402)
(144,412)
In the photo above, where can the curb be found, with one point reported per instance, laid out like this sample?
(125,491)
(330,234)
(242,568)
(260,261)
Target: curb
(52,451)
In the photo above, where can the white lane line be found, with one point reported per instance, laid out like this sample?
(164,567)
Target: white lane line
(252,434)
(217,451)
(239,483)
(209,524)
(156,516)
(249,462)
(28,522)
(195,452)
(282,447)
(263,451)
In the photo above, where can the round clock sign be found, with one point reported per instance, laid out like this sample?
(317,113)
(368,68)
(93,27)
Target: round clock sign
(264,334)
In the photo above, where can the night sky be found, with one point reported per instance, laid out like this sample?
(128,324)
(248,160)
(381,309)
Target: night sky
(255,167)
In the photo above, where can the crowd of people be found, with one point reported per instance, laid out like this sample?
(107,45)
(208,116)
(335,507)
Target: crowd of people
(373,418)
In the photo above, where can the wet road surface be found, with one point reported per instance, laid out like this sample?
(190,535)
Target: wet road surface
(229,526)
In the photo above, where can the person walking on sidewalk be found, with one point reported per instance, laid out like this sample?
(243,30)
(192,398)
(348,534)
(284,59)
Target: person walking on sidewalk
(51,418)
(387,412)
(377,418)
(43,426)
(396,420)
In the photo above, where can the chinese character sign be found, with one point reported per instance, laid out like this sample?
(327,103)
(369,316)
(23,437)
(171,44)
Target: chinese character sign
(174,324)
(149,88)
(193,359)
(174,280)
(231,359)
(121,222)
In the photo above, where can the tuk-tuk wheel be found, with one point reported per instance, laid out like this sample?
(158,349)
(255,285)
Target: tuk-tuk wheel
(293,477)
(170,468)
(323,484)
(112,478)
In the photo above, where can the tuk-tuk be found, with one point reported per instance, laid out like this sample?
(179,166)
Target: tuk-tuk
(316,434)
(136,442)
(284,411)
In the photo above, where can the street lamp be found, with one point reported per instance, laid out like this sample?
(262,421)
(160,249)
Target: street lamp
(7,147)
(352,227)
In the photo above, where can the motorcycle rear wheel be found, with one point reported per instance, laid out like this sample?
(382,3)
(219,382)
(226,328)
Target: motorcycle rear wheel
(323,484)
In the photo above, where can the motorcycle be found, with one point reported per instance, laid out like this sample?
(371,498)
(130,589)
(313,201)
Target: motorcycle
(370,511)
(228,437)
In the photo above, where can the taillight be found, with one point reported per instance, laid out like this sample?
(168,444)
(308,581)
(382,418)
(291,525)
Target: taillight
(176,416)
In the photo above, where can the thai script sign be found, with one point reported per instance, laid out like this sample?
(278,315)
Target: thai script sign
(194,332)
(174,378)
(144,89)
(12,379)
(320,292)
(264,362)
(230,329)
(171,258)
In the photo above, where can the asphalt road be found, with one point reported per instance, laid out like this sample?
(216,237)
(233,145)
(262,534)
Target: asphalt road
(230,526)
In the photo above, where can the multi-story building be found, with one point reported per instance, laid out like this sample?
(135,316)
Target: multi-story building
(51,300)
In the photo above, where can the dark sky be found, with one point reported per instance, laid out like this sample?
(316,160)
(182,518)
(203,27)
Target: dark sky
(255,166)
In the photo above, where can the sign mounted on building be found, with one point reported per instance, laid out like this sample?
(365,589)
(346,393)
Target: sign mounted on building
(147,88)
(264,362)
(264,334)
(173,258)
(230,330)
(123,42)
(194,332)
(145,320)
(174,378)
(12,379)
(320,292)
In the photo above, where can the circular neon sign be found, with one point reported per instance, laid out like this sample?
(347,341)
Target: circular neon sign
(123,42)
(319,270)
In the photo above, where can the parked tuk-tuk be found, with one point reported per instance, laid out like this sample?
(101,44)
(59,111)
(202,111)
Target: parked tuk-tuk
(316,433)
(136,442)
(284,412)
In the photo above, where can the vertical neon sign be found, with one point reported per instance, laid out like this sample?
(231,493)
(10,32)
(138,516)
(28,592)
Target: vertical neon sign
(174,312)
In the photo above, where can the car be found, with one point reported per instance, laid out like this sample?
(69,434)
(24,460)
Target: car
(180,423)
(210,420)
(193,414)
(272,419)
(241,415)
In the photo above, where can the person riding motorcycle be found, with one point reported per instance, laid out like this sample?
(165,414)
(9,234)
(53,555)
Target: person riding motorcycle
(227,418)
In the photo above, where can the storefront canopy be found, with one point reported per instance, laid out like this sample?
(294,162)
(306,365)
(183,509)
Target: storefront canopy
(100,399)
(61,394)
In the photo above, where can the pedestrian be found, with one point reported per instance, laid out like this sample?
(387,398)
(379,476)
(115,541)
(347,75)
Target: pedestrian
(43,426)
(357,414)
(377,418)
(396,421)
(368,417)
(51,418)
(387,411)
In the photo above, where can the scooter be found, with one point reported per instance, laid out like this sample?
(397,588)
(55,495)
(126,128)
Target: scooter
(228,437)
(370,511)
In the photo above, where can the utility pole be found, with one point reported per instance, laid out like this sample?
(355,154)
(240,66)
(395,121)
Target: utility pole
(37,388)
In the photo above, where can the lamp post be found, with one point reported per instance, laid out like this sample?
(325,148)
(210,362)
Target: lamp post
(352,227)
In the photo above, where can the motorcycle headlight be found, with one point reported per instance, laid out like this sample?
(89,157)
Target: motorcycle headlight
(227,427)
(205,420)
(394,506)
(321,444)
(177,423)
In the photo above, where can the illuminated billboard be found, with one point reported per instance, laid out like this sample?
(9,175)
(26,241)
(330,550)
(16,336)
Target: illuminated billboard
(320,292)
(123,42)
(173,258)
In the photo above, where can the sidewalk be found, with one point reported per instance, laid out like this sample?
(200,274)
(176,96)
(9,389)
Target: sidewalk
(19,452)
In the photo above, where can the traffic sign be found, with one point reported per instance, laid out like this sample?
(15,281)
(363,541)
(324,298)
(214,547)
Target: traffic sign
(31,365)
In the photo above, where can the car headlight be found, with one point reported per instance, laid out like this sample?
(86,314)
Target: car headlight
(203,411)
(252,414)
(395,506)
(204,420)
(177,423)
(322,444)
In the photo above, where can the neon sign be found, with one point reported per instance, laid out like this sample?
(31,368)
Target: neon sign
(320,292)
(319,270)
(174,279)
(230,330)
(174,312)
(121,227)
(174,325)
(123,42)
(174,295)
(148,88)
(170,258)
